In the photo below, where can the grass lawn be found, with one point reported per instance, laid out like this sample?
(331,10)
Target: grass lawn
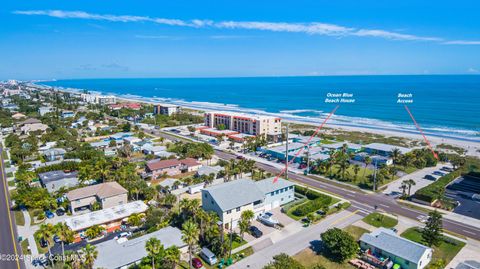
(9,174)
(447,249)
(380,220)
(291,209)
(11,183)
(309,258)
(355,231)
(25,249)
(237,241)
(19,219)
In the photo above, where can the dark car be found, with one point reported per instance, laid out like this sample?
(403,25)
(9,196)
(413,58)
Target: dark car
(197,263)
(60,212)
(430,177)
(255,232)
(43,243)
(49,214)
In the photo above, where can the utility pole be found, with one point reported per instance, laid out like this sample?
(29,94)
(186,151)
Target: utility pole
(286,152)
(308,159)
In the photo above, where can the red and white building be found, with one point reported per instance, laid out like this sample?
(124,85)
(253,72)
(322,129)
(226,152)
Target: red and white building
(172,167)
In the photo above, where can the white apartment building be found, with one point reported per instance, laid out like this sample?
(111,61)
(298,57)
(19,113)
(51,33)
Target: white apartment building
(244,123)
(98,99)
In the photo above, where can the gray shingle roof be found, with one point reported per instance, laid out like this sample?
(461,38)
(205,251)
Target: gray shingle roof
(235,193)
(388,241)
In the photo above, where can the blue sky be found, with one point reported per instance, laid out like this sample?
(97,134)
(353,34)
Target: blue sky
(97,39)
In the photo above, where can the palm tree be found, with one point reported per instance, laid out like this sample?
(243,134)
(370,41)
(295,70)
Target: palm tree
(410,183)
(90,254)
(403,187)
(154,247)
(135,220)
(356,169)
(65,235)
(367,161)
(172,256)
(396,153)
(331,160)
(45,232)
(245,220)
(190,235)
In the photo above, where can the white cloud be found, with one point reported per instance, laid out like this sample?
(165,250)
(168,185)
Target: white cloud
(312,28)
(462,42)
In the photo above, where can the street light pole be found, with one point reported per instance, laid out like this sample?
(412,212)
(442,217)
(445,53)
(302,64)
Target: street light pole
(286,153)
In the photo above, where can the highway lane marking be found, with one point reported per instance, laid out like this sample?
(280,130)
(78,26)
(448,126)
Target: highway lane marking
(8,209)
(349,194)
(384,205)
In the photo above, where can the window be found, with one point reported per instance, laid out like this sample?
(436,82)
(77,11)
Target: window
(277,192)
(238,209)
(272,193)
(229,211)
(205,195)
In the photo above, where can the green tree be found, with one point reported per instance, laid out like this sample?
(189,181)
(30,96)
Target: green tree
(283,261)
(135,220)
(409,184)
(172,256)
(94,231)
(65,234)
(90,254)
(245,221)
(45,232)
(432,233)
(190,235)
(340,244)
(154,248)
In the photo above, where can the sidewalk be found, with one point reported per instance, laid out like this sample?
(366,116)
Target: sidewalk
(27,231)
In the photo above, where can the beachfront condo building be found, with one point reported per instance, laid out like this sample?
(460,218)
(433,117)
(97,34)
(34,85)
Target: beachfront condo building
(165,109)
(244,123)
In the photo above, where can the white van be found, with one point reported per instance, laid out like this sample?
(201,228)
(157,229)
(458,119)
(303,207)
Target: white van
(208,256)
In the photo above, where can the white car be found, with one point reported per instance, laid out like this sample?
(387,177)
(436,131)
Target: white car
(123,234)
(422,218)
(268,219)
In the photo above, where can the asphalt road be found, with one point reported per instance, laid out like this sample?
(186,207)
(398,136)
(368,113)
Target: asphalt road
(367,202)
(10,249)
(359,200)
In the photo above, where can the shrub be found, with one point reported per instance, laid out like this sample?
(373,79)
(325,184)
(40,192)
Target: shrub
(312,205)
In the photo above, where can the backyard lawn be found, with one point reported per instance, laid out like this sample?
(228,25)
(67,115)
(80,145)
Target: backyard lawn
(25,246)
(355,231)
(309,259)
(447,249)
(380,220)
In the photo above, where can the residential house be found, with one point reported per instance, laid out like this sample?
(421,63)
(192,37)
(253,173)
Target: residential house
(45,109)
(55,180)
(123,254)
(207,170)
(384,149)
(383,247)
(110,219)
(67,114)
(18,116)
(31,125)
(172,167)
(230,199)
(53,154)
(107,194)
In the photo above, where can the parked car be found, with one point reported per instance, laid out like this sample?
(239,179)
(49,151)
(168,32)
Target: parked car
(430,177)
(123,234)
(446,169)
(208,256)
(43,243)
(197,263)
(56,239)
(255,232)
(60,211)
(49,214)
(267,219)
(438,173)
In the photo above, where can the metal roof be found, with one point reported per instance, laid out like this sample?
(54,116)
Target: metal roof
(235,193)
(388,241)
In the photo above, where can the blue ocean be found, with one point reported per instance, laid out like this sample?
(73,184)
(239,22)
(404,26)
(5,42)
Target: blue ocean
(443,105)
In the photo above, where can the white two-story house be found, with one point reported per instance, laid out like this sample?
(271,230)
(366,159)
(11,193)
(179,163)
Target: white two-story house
(230,199)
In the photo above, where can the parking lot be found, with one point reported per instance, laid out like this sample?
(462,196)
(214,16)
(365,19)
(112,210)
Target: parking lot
(277,214)
(393,189)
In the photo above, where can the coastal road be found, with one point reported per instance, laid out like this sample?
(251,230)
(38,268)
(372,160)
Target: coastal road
(10,250)
(367,202)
